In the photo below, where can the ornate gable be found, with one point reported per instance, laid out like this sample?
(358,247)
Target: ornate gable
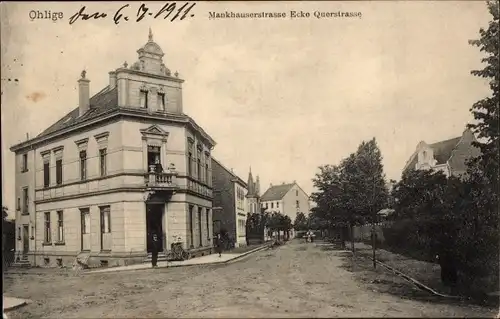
(154,131)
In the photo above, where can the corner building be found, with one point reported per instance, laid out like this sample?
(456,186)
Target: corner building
(90,184)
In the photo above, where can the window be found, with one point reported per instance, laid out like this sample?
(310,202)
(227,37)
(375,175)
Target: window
(296,192)
(46,174)
(241,227)
(191,226)
(199,226)
(199,168)
(24,165)
(267,205)
(46,237)
(102,161)
(272,205)
(25,201)
(85,214)
(208,223)
(105,220)
(207,175)
(161,101)
(59,172)
(297,203)
(60,227)
(83,165)
(277,204)
(190,164)
(154,153)
(198,162)
(144,98)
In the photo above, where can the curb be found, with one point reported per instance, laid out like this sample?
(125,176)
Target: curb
(237,258)
(19,305)
(410,279)
(222,262)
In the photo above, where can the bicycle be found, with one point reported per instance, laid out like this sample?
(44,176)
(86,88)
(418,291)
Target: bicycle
(177,252)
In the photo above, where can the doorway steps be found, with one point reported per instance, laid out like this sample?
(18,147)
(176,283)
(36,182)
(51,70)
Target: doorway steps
(162,256)
(23,262)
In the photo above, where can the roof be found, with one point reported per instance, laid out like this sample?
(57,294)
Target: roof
(442,151)
(276,192)
(236,177)
(101,102)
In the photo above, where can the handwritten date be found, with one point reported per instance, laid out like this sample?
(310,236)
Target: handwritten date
(169,11)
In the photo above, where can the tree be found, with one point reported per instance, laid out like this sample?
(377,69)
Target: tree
(301,222)
(486,111)
(353,192)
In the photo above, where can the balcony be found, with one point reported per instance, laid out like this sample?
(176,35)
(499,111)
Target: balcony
(166,180)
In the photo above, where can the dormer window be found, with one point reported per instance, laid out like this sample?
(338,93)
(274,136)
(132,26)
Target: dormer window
(161,101)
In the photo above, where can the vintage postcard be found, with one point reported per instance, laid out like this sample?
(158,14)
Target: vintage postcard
(250,159)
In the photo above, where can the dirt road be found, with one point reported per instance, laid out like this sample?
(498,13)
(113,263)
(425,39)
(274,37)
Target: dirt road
(295,280)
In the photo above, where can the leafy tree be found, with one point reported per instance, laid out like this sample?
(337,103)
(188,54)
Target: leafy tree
(486,111)
(419,194)
(301,222)
(353,192)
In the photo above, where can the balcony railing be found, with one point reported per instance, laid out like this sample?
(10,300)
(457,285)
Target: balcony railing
(166,179)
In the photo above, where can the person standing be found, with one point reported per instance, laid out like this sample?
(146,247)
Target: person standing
(219,244)
(154,252)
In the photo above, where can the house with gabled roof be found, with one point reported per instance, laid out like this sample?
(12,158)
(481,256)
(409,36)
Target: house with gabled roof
(288,199)
(125,164)
(449,156)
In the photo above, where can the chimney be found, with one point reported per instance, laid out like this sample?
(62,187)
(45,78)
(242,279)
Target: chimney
(83,94)
(112,80)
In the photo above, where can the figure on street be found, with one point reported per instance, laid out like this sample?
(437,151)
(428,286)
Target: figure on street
(219,244)
(154,252)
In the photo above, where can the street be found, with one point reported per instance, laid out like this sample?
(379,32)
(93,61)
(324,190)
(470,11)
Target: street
(294,280)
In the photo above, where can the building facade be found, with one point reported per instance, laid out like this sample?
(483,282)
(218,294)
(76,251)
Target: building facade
(287,199)
(230,203)
(449,156)
(125,164)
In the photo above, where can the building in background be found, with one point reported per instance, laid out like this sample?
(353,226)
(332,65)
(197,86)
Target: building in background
(253,195)
(287,199)
(126,163)
(230,203)
(449,156)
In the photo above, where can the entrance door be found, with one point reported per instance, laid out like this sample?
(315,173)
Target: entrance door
(154,224)
(26,239)
(85,226)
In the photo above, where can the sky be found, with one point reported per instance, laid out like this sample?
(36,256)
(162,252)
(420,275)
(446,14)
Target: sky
(282,96)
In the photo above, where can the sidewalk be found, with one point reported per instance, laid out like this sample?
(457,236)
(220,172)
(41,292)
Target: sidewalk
(10,303)
(212,259)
